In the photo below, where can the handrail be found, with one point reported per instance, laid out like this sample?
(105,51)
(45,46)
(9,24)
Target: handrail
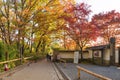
(14,60)
(28,57)
(92,73)
(62,60)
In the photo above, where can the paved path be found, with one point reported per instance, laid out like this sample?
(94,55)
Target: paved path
(42,70)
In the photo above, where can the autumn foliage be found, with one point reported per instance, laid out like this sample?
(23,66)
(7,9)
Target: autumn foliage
(33,25)
(107,25)
(78,26)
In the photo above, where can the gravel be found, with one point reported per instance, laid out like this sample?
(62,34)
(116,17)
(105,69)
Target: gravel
(71,71)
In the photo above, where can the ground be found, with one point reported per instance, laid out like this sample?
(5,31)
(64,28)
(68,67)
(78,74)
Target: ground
(70,71)
(42,70)
(46,70)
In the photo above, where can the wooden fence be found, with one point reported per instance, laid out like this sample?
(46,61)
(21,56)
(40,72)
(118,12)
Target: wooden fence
(64,61)
(92,73)
(14,60)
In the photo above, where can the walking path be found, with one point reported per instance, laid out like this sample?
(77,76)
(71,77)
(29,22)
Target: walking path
(42,70)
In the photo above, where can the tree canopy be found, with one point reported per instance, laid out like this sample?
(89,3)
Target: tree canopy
(37,26)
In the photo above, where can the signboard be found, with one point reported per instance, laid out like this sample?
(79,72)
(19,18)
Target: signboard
(97,53)
(76,57)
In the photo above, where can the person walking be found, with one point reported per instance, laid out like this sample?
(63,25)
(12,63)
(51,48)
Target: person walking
(47,56)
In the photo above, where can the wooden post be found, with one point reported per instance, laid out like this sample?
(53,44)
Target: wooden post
(93,56)
(119,55)
(64,61)
(65,64)
(92,73)
(78,73)
(112,50)
(102,59)
(6,56)
(21,55)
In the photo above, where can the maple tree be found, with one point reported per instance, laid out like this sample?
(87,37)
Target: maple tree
(107,24)
(69,44)
(78,26)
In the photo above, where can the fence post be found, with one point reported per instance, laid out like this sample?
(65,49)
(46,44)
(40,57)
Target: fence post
(78,73)
(6,56)
(92,73)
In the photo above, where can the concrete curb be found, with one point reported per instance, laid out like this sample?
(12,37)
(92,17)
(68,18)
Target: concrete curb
(66,77)
(57,72)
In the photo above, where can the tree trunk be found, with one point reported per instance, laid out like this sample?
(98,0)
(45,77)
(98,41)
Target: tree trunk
(81,52)
(38,46)
(31,37)
(43,47)
(39,43)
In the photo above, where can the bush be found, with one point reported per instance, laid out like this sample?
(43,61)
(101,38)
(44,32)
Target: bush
(36,58)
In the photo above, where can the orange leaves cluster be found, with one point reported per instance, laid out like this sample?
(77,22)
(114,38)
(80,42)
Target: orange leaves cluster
(107,24)
(3,19)
(79,28)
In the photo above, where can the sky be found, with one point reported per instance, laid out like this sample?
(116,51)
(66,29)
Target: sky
(98,6)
